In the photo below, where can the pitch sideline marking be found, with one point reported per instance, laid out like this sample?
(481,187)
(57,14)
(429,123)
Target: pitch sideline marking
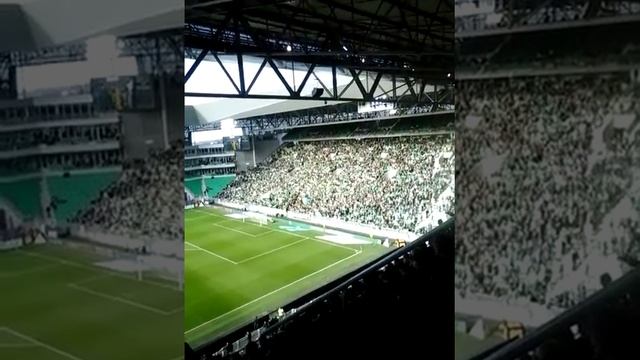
(271,251)
(278,230)
(39,343)
(118,299)
(232,229)
(333,244)
(211,253)
(273,292)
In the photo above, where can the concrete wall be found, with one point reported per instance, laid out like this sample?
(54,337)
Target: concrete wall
(141,132)
(175,110)
(144,130)
(264,148)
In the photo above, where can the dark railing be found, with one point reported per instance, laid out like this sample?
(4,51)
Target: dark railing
(627,287)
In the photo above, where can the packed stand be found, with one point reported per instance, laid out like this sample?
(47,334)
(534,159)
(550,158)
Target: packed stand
(54,136)
(412,125)
(544,182)
(209,161)
(351,115)
(475,16)
(142,202)
(390,183)
(61,161)
(20,114)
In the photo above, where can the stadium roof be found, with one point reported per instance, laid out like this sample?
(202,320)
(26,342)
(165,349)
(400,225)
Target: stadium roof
(210,72)
(244,108)
(394,33)
(277,52)
(35,24)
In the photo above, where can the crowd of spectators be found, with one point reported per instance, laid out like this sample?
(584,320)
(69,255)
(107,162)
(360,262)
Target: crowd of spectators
(412,125)
(62,135)
(33,146)
(229,169)
(61,161)
(391,183)
(476,16)
(343,115)
(20,114)
(190,151)
(544,182)
(209,161)
(142,203)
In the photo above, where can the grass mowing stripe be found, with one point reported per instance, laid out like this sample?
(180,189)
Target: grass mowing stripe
(210,253)
(17,345)
(273,292)
(194,218)
(40,343)
(272,251)
(30,271)
(91,279)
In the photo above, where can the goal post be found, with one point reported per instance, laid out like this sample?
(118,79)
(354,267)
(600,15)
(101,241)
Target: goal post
(161,269)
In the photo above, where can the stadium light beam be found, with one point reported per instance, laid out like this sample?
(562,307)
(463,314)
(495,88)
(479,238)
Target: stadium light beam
(288,48)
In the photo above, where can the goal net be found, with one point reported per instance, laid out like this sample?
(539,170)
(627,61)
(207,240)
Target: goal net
(253,217)
(155,268)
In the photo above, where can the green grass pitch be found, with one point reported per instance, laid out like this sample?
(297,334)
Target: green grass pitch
(57,305)
(236,270)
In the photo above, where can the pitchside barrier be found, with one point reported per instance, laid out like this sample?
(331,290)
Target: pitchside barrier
(164,247)
(10,244)
(488,307)
(13,239)
(625,288)
(366,230)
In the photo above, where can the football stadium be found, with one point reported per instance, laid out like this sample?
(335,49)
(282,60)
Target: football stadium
(319,177)
(547,173)
(90,263)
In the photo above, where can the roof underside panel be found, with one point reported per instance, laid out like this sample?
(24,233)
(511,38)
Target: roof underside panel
(389,33)
(44,23)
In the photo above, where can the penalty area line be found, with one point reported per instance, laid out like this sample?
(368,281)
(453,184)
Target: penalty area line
(271,251)
(120,300)
(210,253)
